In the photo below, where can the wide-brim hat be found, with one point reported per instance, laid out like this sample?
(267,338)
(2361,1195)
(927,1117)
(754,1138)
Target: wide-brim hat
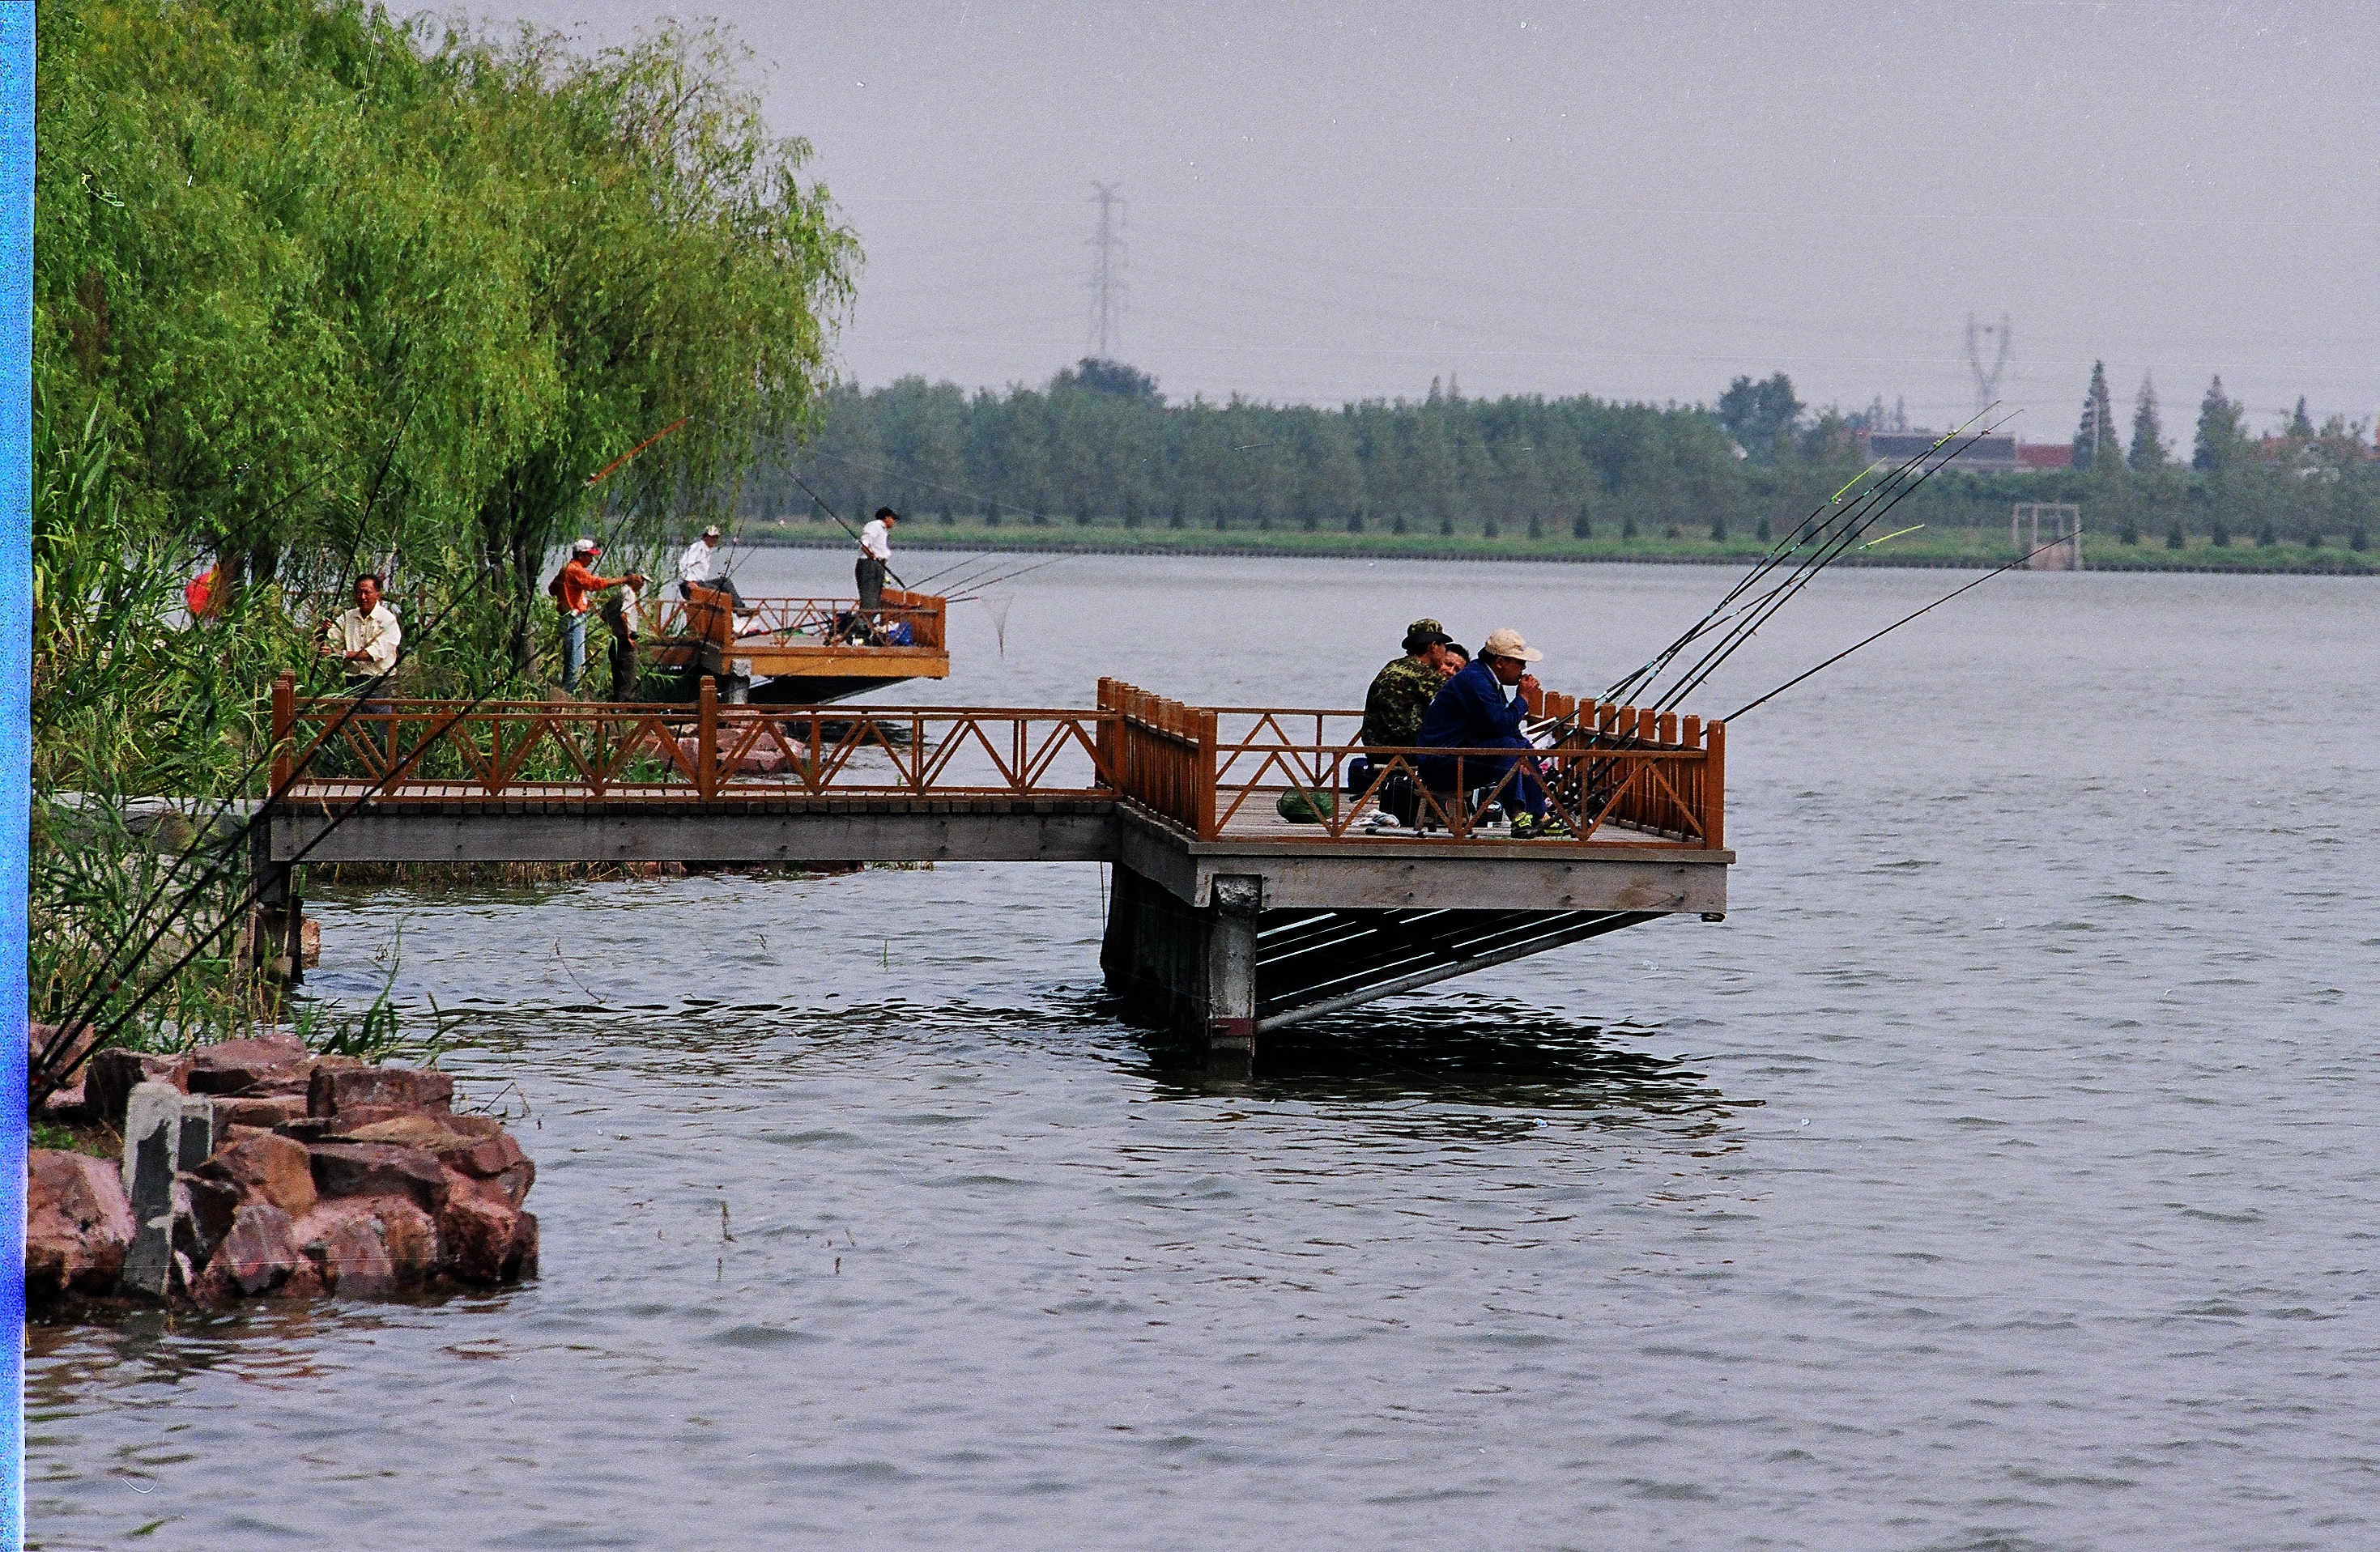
(1423,634)
(1507,643)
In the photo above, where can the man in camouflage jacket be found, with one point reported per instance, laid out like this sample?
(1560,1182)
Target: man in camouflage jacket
(1401,691)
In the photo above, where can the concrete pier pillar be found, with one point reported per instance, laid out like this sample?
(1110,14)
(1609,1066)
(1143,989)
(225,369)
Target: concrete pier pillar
(1230,992)
(1186,969)
(278,925)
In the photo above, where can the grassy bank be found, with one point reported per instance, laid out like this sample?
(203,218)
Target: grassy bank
(1946,547)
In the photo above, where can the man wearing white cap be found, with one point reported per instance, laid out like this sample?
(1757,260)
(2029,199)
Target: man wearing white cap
(570,588)
(1482,707)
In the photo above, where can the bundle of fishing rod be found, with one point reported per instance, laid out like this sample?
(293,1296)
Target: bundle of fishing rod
(1830,533)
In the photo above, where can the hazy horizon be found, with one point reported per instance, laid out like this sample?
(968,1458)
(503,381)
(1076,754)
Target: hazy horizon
(1637,202)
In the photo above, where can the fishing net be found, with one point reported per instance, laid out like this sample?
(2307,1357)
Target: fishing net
(996,605)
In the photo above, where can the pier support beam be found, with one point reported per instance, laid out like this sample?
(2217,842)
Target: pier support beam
(276,928)
(1187,969)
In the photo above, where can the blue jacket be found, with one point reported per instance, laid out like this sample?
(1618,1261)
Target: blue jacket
(1470,712)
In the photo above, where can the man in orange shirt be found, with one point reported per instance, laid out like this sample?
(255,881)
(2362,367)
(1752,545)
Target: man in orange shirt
(570,588)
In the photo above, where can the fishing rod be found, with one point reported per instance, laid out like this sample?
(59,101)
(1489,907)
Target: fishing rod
(840,524)
(1825,537)
(930,484)
(1890,628)
(1009,576)
(1744,629)
(82,1009)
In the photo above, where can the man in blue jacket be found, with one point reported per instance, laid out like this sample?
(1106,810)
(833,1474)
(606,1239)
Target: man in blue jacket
(1482,707)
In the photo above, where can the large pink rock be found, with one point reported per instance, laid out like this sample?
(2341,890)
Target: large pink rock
(267,1168)
(379,1170)
(244,1066)
(263,1110)
(78,1224)
(258,1255)
(344,1240)
(485,1239)
(340,1091)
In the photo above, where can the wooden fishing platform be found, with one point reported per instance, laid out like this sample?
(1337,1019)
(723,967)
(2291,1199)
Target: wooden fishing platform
(1225,920)
(803,650)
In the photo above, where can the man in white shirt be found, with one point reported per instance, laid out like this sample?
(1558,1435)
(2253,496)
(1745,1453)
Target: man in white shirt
(875,558)
(701,566)
(364,639)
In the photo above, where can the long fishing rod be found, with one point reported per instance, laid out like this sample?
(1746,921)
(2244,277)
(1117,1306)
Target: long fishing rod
(1810,533)
(1743,630)
(1005,578)
(1890,628)
(81,1010)
(1824,539)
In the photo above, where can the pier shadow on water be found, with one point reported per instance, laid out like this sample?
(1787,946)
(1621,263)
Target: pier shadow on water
(1495,1054)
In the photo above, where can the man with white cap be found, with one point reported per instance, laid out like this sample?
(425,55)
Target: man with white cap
(701,566)
(1483,708)
(570,587)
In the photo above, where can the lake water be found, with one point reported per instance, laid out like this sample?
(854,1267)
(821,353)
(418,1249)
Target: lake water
(2000,1174)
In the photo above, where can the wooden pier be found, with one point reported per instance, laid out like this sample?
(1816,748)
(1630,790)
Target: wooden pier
(1225,918)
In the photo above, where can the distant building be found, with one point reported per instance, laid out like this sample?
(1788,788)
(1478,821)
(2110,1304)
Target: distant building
(1990,453)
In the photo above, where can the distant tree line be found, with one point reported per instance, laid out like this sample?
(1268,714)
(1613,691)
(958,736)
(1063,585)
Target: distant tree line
(1100,445)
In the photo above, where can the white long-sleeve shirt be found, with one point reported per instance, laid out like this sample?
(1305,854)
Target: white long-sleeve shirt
(375,635)
(875,541)
(698,564)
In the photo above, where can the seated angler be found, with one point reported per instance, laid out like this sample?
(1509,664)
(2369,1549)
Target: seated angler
(1483,708)
(1401,691)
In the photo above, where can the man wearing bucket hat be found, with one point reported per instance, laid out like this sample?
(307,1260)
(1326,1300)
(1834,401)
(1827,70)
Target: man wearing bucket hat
(1403,691)
(1482,707)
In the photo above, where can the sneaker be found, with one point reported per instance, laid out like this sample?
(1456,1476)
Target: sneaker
(1383,819)
(1524,827)
(1551,828)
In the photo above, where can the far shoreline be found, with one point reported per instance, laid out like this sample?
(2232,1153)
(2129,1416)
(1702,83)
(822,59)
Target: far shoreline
(1292,546)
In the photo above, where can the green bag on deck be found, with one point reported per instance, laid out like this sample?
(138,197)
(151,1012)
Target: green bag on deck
(1298,809)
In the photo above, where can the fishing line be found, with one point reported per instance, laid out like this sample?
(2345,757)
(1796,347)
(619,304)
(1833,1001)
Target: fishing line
(1890,628)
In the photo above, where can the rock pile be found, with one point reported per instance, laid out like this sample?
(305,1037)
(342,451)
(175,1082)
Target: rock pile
(251,1167)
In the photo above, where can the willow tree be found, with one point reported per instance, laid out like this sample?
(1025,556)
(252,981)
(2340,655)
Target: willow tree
(674,268)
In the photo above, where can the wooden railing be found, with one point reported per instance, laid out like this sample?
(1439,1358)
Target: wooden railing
(1613,772)
(1626,774)
(707,616)
(429,750)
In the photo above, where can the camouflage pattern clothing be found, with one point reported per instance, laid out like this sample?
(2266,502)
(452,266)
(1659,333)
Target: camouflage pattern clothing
(1393,706)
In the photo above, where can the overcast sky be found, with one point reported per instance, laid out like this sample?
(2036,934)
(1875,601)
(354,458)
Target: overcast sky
(1634,201)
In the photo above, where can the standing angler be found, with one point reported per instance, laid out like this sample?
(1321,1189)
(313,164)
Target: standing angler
(571,585)
(875,558)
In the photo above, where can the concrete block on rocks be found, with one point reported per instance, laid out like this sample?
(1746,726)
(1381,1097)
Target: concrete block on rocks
(263,1166)
(153,1126)
(195,1136)
(244,1066)
(78,1224)
(339,1091)
(379,1170)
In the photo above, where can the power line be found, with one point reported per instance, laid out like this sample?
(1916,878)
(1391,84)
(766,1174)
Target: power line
(1107,273)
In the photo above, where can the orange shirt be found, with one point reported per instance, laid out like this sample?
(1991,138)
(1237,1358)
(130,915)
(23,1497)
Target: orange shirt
(578,580)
